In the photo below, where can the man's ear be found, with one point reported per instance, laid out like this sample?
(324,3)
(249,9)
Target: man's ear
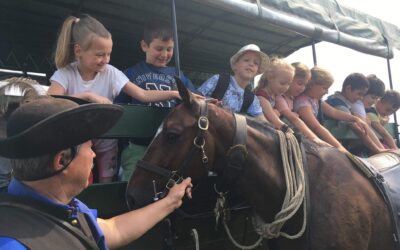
(144,46)
(58,161)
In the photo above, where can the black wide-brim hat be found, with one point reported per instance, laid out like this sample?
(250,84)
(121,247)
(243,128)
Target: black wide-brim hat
(49,125)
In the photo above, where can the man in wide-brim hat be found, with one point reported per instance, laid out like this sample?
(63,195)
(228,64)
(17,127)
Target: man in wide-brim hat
(48,142)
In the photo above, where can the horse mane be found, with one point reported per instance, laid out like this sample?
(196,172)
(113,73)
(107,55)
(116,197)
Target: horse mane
(267,128)
(16,91)
(264,127)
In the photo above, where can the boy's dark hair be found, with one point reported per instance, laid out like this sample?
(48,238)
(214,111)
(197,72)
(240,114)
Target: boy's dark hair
(392,97)
(157,28)
(356,81)
(376,86)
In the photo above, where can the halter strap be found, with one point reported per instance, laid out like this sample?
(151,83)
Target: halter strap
(175,176)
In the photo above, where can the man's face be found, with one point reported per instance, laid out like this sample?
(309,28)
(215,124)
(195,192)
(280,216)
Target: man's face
(80,167)
(158,52)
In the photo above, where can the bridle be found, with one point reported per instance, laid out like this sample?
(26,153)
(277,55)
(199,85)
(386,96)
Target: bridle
(176,176)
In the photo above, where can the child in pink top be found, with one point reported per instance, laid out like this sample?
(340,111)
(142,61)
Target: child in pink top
(284,102)
(307,106)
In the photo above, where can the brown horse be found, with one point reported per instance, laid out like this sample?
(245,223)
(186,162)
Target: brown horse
(345,210)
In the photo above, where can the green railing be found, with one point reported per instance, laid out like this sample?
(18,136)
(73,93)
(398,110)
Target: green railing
(342,132)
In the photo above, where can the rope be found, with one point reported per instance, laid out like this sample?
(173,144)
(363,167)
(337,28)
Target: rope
(294,197)
(295,191)
(220,209)
(256,244)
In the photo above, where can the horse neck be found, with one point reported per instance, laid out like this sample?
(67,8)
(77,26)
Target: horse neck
(262,174)
(263,180)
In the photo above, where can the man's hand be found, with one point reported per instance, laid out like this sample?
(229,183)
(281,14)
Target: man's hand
(178,191)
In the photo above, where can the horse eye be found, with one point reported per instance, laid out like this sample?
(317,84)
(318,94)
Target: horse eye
(172,136)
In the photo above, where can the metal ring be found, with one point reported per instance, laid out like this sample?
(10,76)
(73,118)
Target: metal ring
(201,120)
(199,145)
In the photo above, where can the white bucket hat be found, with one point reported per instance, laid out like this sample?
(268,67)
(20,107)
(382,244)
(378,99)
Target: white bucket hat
(252,47)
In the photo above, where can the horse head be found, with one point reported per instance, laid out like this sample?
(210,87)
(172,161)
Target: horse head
(182,146)
(193,140)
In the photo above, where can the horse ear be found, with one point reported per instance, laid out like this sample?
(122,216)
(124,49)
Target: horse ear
(185,94)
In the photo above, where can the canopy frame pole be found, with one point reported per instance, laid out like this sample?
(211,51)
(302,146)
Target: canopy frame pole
(314,52)
(176,44)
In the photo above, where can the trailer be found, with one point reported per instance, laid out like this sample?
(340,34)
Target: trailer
(208,33)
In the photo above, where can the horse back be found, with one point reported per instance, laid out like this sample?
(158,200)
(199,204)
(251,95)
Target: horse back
(347,209)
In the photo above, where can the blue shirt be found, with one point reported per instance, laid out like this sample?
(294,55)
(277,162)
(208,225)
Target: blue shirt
(340,102)
(17,188)
(149,77)
(233,98)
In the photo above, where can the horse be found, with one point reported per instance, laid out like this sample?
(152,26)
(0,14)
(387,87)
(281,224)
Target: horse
(344,209)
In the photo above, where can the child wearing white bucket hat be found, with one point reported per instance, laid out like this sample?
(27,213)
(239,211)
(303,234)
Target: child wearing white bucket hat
(235,90)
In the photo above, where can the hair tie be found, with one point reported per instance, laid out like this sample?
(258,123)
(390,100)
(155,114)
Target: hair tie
(77,20)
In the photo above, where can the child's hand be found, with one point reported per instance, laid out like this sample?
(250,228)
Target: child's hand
(98,99)
(362,124)
(214,101)
(321,142)
(198,97)
(343,150)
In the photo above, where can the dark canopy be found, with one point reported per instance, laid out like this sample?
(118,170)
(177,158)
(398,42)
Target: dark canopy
(210,31)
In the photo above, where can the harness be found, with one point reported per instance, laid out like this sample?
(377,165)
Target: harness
(236,158)
(222,87)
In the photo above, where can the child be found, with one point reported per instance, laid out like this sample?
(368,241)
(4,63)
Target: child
(246,64)
(82,56)
(154,73)
(284,102)
(375,91)
(378,115)
(310,107)
(354,88)
(274,82)
(151,74)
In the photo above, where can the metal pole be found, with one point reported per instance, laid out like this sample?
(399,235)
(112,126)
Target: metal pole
(176,47)
(314,53)
(391,87)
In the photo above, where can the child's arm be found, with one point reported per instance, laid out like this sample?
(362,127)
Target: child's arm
(298,123)
(311,121)
(147,96)
(360,127)
(387,138)
(57,89)
(343,116)
(269,113)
